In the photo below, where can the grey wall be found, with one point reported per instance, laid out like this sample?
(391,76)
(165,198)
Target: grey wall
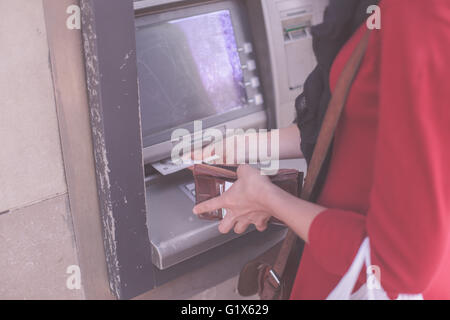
(37,243)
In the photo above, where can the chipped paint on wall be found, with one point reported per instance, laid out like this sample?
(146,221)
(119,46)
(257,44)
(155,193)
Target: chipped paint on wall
(101,156)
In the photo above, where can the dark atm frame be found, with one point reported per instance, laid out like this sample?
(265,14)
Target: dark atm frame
(108,29)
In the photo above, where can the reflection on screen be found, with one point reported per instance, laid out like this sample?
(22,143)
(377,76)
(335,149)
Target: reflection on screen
(189,69)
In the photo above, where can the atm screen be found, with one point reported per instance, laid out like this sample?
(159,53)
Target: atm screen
(189,69)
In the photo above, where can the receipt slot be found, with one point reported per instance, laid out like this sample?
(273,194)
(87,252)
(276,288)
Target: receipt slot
(155,66)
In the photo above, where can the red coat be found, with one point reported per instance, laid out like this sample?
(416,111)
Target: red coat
(389,177)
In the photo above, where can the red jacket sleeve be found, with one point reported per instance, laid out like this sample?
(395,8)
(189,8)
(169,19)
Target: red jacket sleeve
(408,220)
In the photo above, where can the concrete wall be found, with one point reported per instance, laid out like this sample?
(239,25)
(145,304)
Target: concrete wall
(37,242)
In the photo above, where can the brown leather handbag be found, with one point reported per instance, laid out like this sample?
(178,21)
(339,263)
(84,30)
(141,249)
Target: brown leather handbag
(273,273)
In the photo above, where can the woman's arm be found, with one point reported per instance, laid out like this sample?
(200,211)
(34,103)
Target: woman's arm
(288,144)
(298,214)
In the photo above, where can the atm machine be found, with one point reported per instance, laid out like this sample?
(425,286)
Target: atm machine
(233,64)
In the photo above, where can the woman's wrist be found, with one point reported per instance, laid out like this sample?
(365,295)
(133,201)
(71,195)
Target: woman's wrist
(298,214)
(265,196)
(272,195)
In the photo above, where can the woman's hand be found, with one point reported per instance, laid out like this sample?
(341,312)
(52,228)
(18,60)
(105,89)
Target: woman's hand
(245,202)
(220,152)
(253,199)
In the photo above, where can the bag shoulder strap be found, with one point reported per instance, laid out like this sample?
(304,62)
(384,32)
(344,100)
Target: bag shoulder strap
(330,122)
(333,114)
